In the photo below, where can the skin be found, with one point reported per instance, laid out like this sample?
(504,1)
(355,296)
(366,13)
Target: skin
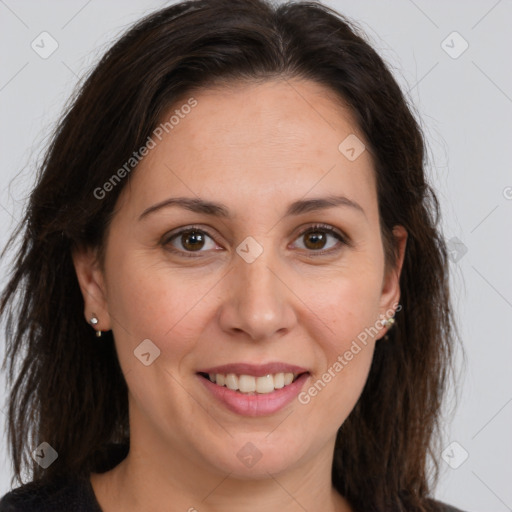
(255,148)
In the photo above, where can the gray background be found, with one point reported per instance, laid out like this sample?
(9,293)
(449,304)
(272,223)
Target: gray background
(465,105)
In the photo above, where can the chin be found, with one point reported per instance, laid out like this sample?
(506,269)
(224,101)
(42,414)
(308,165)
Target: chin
(254,456)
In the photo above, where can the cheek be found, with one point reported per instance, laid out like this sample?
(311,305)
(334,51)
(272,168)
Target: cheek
(352,318)
(148,303)
(347,303)
(345,334)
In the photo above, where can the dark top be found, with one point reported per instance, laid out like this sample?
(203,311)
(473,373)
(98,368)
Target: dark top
(63,495)
(69,493)
(72,493)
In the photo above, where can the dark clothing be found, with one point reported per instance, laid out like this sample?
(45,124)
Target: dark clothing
(72,494)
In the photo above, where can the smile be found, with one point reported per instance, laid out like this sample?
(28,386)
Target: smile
(250,384)
(246,399)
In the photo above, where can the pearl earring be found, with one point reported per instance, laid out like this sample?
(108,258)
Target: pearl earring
(94,321)
(389,322)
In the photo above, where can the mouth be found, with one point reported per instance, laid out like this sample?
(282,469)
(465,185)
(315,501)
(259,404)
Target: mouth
(252,384)
(254,390)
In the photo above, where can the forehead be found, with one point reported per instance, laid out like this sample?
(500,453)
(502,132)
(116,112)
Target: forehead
(291,114)
(246,141)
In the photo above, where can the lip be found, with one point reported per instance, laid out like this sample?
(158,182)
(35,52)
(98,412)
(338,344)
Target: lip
(258,404)
(257,370)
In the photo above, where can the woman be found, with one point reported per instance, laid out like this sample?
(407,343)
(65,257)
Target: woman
(231,287)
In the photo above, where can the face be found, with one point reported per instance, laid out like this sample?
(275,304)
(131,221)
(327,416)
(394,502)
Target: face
(266,276)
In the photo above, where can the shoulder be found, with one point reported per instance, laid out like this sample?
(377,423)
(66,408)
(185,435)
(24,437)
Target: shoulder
(63,494)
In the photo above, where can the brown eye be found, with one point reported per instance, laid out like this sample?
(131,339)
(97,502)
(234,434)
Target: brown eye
(316,239)
(189,241)
(192,240)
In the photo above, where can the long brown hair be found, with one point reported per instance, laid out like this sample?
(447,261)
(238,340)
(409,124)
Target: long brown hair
(69,391)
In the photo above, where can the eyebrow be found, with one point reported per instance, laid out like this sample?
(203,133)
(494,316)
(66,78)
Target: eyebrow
(220,210)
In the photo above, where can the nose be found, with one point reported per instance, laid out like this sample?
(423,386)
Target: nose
(258,301)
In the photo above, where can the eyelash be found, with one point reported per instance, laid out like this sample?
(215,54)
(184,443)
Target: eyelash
(344,240)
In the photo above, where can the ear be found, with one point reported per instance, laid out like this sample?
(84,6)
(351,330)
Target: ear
(390,295)
(92,284)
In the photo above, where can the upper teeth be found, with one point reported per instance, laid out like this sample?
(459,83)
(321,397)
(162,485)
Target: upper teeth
(251,384)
